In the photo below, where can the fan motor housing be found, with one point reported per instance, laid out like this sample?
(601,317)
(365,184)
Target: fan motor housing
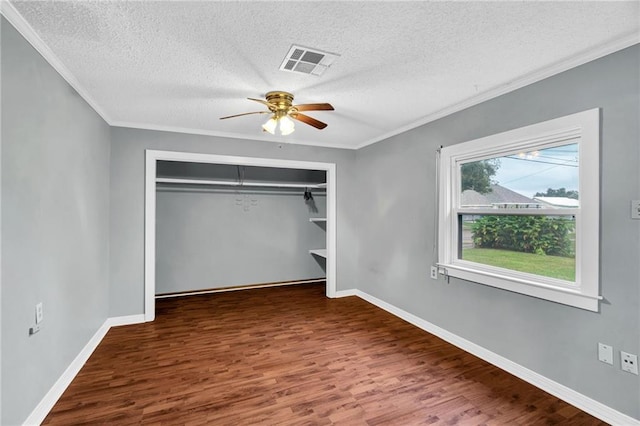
(279,101)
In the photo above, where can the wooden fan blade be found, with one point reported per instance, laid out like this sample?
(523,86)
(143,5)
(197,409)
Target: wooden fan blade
(314,107)
(262,101)
(308,120)
(246,113)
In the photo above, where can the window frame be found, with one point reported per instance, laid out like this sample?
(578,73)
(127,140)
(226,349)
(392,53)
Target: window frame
(582,128)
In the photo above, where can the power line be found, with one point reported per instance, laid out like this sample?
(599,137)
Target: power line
(573,160)
(532,174)
(542,162)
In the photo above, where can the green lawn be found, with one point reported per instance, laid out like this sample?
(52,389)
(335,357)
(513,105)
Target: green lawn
(563,268)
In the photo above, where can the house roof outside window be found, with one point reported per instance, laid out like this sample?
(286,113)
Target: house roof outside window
(558,202)
(498,198)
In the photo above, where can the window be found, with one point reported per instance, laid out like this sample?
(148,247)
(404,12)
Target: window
(520,210)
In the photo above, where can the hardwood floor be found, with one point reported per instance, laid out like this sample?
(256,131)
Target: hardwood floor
(288,355)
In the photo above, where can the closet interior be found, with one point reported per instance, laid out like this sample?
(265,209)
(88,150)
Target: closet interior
(222,226)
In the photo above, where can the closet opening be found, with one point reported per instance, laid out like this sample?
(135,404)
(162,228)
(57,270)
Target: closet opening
(220,223)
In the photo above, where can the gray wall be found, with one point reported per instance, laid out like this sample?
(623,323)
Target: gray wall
(127,201)
(397,182)
(216,238)
(55,192)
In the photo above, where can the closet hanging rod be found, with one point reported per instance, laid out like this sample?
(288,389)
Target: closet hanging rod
(241,184)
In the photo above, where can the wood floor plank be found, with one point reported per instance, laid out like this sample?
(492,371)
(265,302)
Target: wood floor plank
(290,356)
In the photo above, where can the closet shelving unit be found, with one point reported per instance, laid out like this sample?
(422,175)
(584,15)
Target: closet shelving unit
(319,252)
(247,184)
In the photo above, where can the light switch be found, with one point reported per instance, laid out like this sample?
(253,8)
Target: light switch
(39,314)
(605,353)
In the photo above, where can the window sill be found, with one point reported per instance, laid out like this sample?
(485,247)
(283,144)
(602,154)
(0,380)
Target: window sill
(566,296)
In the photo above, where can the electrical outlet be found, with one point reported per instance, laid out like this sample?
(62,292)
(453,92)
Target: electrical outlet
(605,353)
(33,330)
(434,272)
(39,314)
(629,362)
(635,209)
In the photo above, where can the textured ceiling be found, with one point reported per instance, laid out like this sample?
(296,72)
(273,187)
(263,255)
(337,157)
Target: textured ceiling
(181,65)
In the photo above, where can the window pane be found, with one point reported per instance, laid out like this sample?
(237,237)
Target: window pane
(545,178)
(541,245)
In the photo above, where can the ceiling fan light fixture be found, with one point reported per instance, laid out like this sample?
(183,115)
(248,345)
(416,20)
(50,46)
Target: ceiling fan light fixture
(287,125)
(283,113)
(270,125)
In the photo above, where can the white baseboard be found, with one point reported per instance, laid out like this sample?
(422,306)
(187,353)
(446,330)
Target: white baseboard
(346,293)
(124,320)
(591,406)
(38,415)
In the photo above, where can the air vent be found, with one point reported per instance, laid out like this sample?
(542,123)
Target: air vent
(304,60)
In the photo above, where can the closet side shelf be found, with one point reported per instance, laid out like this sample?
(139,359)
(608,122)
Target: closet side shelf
(319,252)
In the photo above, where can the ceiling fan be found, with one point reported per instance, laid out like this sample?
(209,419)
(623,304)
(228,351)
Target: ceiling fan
(282,110)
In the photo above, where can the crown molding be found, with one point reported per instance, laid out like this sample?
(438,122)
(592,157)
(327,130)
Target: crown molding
(533,77)
(203,132)
(22,26)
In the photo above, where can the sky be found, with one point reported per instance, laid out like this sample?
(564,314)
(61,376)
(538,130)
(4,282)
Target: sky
(531,172)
